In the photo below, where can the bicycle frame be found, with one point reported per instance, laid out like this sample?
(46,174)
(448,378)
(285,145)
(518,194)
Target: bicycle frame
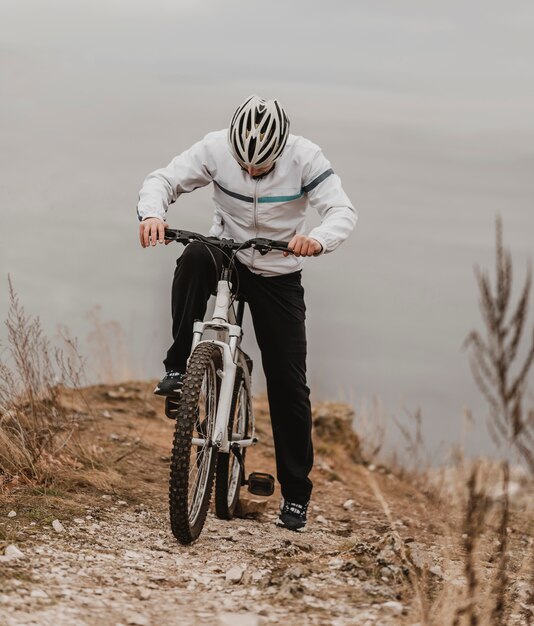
(195,464)
(228,339)
(229,333)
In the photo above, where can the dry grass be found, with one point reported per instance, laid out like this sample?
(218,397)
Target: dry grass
(370,423)
(495,584)
(486,548)
(38,430)
(494,360)
(33,420)
(109,360)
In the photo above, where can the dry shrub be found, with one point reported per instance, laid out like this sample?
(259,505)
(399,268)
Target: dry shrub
(369,424)
(489,596)
(415,459)
(494,359)
(33,421)
(486,592)
(110,362)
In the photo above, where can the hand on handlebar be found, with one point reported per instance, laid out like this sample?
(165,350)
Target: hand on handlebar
(152,231)
(304,246)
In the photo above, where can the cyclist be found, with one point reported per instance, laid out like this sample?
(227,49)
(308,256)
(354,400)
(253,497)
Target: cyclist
(264,179)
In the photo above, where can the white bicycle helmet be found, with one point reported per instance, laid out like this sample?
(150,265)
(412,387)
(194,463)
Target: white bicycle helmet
(258,132)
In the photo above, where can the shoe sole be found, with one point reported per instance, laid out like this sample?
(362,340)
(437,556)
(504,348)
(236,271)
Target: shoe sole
(300,529)
(167,394)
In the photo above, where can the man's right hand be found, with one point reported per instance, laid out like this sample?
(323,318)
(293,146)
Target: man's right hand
(152,231)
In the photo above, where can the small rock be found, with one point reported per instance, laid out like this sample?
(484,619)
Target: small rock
(132,554)
(258,575)
(143,593)
(296,571)
(419,555)
(38,593)
(12,552)
(12,514)
(437,571)
(302,545)
(107,415)
(122,502)
(348,505)
(114,437)
(395,607)
(248,507)
(121,394)
(323,465)
(371,467)
(137,619)
(235,574)
(321,519)
(238,619)
(58,526)
(157,578)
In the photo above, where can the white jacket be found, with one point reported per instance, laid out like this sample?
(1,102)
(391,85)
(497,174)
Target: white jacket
(273,206)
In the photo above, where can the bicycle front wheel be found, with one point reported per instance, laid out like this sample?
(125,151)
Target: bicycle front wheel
(193,454)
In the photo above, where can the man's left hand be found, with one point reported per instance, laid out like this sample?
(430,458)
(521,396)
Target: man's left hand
(304,246)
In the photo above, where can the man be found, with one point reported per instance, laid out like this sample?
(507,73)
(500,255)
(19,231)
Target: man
(264,179)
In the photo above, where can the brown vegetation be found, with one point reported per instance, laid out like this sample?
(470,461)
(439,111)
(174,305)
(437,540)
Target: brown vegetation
(499,377)
(33,421)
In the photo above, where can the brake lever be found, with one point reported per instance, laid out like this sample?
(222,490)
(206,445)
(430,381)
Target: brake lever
(262,245)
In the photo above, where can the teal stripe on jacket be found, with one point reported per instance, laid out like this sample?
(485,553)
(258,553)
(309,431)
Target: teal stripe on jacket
(265,199)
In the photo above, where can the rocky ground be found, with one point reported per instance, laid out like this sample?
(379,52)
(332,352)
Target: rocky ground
(94,546)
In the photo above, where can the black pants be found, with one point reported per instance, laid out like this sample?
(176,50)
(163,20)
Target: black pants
(278,314)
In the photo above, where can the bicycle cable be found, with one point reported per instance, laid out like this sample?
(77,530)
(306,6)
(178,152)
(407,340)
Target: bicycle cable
(231,263)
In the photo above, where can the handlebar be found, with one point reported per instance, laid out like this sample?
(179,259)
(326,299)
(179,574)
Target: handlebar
(259,243)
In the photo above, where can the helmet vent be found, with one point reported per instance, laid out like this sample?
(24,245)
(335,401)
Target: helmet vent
(258,131)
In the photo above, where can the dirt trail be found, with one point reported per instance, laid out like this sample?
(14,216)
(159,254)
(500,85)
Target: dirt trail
(112,559)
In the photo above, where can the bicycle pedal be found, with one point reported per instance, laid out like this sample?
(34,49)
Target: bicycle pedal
(171,407)
(261,484)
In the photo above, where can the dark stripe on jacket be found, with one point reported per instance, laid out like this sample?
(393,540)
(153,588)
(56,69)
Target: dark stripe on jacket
(238,196)
(317,181)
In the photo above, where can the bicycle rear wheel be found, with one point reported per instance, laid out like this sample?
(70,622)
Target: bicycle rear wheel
(193,466)
(229,473)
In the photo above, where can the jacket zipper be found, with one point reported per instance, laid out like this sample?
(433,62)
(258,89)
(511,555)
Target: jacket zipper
(254,217)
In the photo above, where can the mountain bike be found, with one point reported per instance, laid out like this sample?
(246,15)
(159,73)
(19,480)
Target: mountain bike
(214,414)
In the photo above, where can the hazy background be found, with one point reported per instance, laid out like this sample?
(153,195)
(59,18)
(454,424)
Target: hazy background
(424,109)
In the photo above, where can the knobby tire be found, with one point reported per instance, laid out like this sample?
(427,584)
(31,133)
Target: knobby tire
(192,500)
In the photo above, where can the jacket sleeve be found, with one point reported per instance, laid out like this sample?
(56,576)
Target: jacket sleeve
(185,173)
(326,196)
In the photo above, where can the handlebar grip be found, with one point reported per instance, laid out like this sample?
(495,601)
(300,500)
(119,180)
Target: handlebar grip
(280,245)
(172,234)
